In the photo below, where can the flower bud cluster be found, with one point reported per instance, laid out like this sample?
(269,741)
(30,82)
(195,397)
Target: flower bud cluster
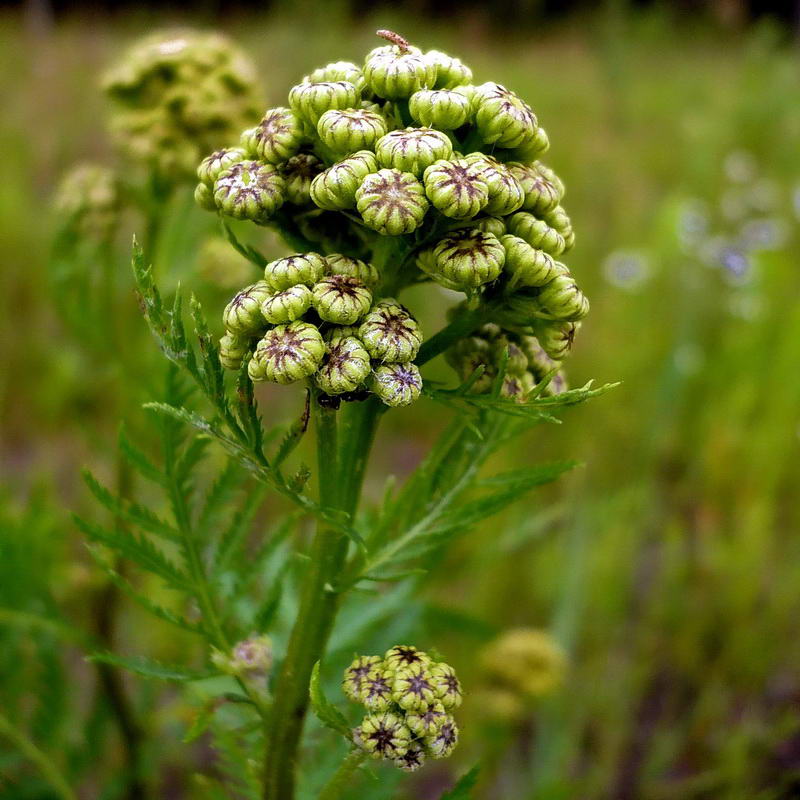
(317,317)
(88,199)
(409,698)
(178,95)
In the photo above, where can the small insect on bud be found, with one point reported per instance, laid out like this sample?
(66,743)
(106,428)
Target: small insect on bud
(562,299)
(444,741)
(298,173)
(536,232)
(469,258)
(391,202)
(211,167)
(341,299)
(541,196)
(397,71)
(390,333)
(376,688)
(505,193)
(355,675)
(242,316)
(526,265)
(406,655)
(502,118)
(335,189)
(412,759)
(346,366)
(249,190)
(556,337)
(446,685)
(439,108)
(287,353)
(311,100)
(288,305)
(413,149)
(337,264)
(427,721)
(351,129)
(412,688)
(450,71)
(456,188)
(277,137)
(396,384)
(305,268)
(384,735)
(232,350)
(338,71)
(204,197)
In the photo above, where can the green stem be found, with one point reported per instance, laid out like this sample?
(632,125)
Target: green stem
(463,325)
(340,473)
(48,769)
(342,779)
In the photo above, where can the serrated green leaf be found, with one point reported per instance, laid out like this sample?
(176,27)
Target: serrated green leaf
(200,724)
(326,712)
(463,788)
(137,459)
(148,668)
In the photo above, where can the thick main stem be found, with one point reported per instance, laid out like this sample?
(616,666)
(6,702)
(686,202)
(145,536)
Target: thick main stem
(340,471)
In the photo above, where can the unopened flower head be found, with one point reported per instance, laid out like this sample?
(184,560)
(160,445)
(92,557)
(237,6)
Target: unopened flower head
(384,735)
(503,118)
(450,71)
(305,268)
(346,366)
(88,200)
(310,101)
(249,190)
(276,138)
(351,129)
(397,384)
(390,333)
(442,109)
(232,350)
(341,299)
(338,264)
(536,232)
(288,305)
(412,149)
(298,173)
(287,353)
(505,193)
(540,195)
(456,188)
(391,202)
(397,71)
(242,316)
(469,258)
(335,188)
(355,675)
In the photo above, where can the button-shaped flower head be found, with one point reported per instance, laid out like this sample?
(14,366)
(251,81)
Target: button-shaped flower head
(517,386)
(549,174)
(204,197)
(541,195)
(376,688)
(287,353)
(310,101)
(412,759)
(337,71)
(427,721)
(450,71)
(298,173)
(557,337)
(249,190)
(503,118)
(346,365)
(446,685)
(562,299)
(469,258)
(338,264)
(391,202)
(335,188)
(396,384)
(536,232)
(505,349)
(442,743)
(252,656)
(443,109)
(413,688)
(351,129)
(384,735)
(242,316)
(558,219)
(456,188)
(288,305)
(355,675)
(398,70)
(232,350)
(506,195)
(212,166)
(413,149)
(341,299)
(390,333)
(305,268)
(526,265)
(277,137)
(406,655)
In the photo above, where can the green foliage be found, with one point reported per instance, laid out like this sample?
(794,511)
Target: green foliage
(326,712)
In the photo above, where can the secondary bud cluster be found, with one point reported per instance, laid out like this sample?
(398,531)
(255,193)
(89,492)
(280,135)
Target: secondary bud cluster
(410,699)
(177,95)
(88,199)
(317,317)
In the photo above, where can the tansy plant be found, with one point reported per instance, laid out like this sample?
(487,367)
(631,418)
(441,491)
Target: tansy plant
(382,176)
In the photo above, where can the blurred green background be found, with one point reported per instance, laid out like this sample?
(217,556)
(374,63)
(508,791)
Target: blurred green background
(667,566)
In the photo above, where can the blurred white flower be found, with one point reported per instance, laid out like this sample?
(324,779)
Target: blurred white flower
(626,269)
(764,234)
(740,166)
(693,222)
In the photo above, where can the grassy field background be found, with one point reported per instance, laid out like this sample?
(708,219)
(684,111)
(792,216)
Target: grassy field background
(667,566)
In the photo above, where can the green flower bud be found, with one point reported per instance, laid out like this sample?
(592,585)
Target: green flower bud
(350,130)
(204,197)
(376,688)
(413,149)
(287,353)
(539,362)
(298,173)
(440,108)
(446,685)
(450,71)
(395,72)
(250,658)
(412,759)
(390,333)
(412,688)
(536,232)
(469,354)
(558,384)
(541,196)
(456,188)
(242,316)
(338,71)
(211,167)
(337,264)
(550,175)
(346,366)
(305,268)
(526,265)
(502,118)
(341,299)
(517,386)
(355,675)
(249,190)
(472,95)
(557,218)
(427,721)
(493,225)
(288,305)
(556,337)
(396,384)
(405,655)
(569,240)
(443,742)
(469,258)
(562,299)
(277,137)
(335,189)
(391,202)
(517,361)
(505,193)
(311,100)
(232,350)
(539,143)
(384,735)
